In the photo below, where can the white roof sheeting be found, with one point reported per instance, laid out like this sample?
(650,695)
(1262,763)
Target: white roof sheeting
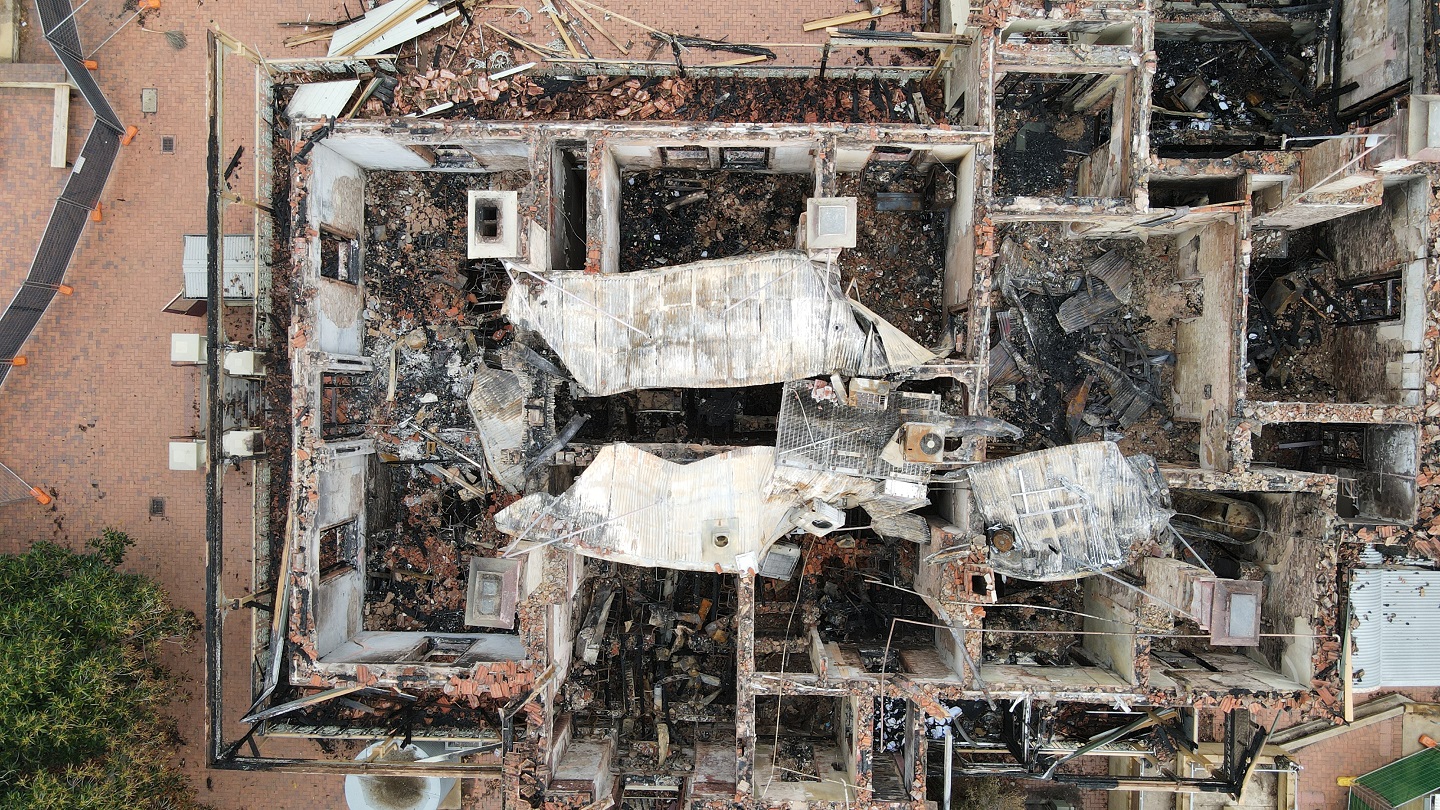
(1074,510)
(633,507)
(1397,615)
(321,99)
(497,403)
(754,320)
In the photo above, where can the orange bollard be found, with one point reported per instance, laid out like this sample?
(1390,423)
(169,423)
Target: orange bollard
(91,64)
(96,215)
(64,289)
(18,360)
(129,136)
(40,495)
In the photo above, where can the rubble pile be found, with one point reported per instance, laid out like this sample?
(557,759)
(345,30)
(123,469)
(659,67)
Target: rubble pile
(898,264)
(1038,146)
(1209,91)
(1083,346)
(681,216)
(1056,609)
(469,93)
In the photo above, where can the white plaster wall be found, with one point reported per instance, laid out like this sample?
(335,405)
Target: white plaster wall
(339,600)
(337,191)
(336,202)
(375,152)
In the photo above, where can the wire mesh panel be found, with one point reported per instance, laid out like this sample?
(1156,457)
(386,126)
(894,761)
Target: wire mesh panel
(820,431)
(13,488)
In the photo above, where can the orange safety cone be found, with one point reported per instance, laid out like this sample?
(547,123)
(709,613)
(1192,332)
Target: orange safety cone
(97,215)
(64,289)
(91,64)
(129,136)
(18,360)
(40,495)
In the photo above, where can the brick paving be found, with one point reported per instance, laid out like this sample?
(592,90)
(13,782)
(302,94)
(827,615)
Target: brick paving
(1351,754)
(90,416)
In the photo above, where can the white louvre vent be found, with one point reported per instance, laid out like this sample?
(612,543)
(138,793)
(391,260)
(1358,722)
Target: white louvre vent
(830,223)
(237,268)
(818,518)
(780,561)
(494,225)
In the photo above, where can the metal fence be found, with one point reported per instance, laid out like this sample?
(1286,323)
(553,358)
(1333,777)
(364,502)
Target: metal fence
(13,488)
(80,196)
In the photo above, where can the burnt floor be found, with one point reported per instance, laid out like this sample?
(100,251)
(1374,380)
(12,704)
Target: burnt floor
(897,266)
(675,217)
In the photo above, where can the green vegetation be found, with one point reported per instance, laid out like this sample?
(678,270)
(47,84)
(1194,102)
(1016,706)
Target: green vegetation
(81,687)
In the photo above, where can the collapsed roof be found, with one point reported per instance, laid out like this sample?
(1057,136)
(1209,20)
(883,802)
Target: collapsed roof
(724,323)
(1068,511)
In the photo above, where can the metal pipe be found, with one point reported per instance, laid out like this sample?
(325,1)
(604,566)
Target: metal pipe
(949,763)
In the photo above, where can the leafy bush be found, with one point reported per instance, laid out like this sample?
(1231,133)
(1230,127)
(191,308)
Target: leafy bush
(81,688)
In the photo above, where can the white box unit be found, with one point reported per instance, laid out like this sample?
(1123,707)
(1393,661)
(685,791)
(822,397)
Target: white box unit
(780,561)
(187,349)
(187,455)
(492,592)
(830,222)
(247,363)
(817,518)
(243,443)
(494,224)
(237,267)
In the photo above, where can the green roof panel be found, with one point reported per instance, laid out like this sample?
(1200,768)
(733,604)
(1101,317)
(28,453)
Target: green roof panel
(1399,782)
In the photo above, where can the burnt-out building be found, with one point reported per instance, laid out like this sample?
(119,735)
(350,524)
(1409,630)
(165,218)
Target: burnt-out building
(649,434)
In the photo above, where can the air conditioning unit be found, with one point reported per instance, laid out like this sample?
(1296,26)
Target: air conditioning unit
(818,518)
(248,363)
(780,561)
(494,224)
(243,443)
(924,444)
(187,349)
(830,222)
(187,455)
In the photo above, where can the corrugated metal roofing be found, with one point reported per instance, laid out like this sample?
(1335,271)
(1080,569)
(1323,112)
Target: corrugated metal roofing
(1402,781)
(1397,614)
(723,323)
(1073,510)
(497,403)
(321,99)
(634,507)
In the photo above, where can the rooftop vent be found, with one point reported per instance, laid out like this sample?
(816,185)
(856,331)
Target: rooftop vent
(494,225)
(830,223)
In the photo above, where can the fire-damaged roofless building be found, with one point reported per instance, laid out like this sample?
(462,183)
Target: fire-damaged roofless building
(834,457)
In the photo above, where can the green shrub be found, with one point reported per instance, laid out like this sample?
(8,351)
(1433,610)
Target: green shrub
(81,686)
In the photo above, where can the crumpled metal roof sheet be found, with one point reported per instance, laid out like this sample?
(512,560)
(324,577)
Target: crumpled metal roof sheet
(753,320)
(497,403)
(1074,510)
(633,507)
